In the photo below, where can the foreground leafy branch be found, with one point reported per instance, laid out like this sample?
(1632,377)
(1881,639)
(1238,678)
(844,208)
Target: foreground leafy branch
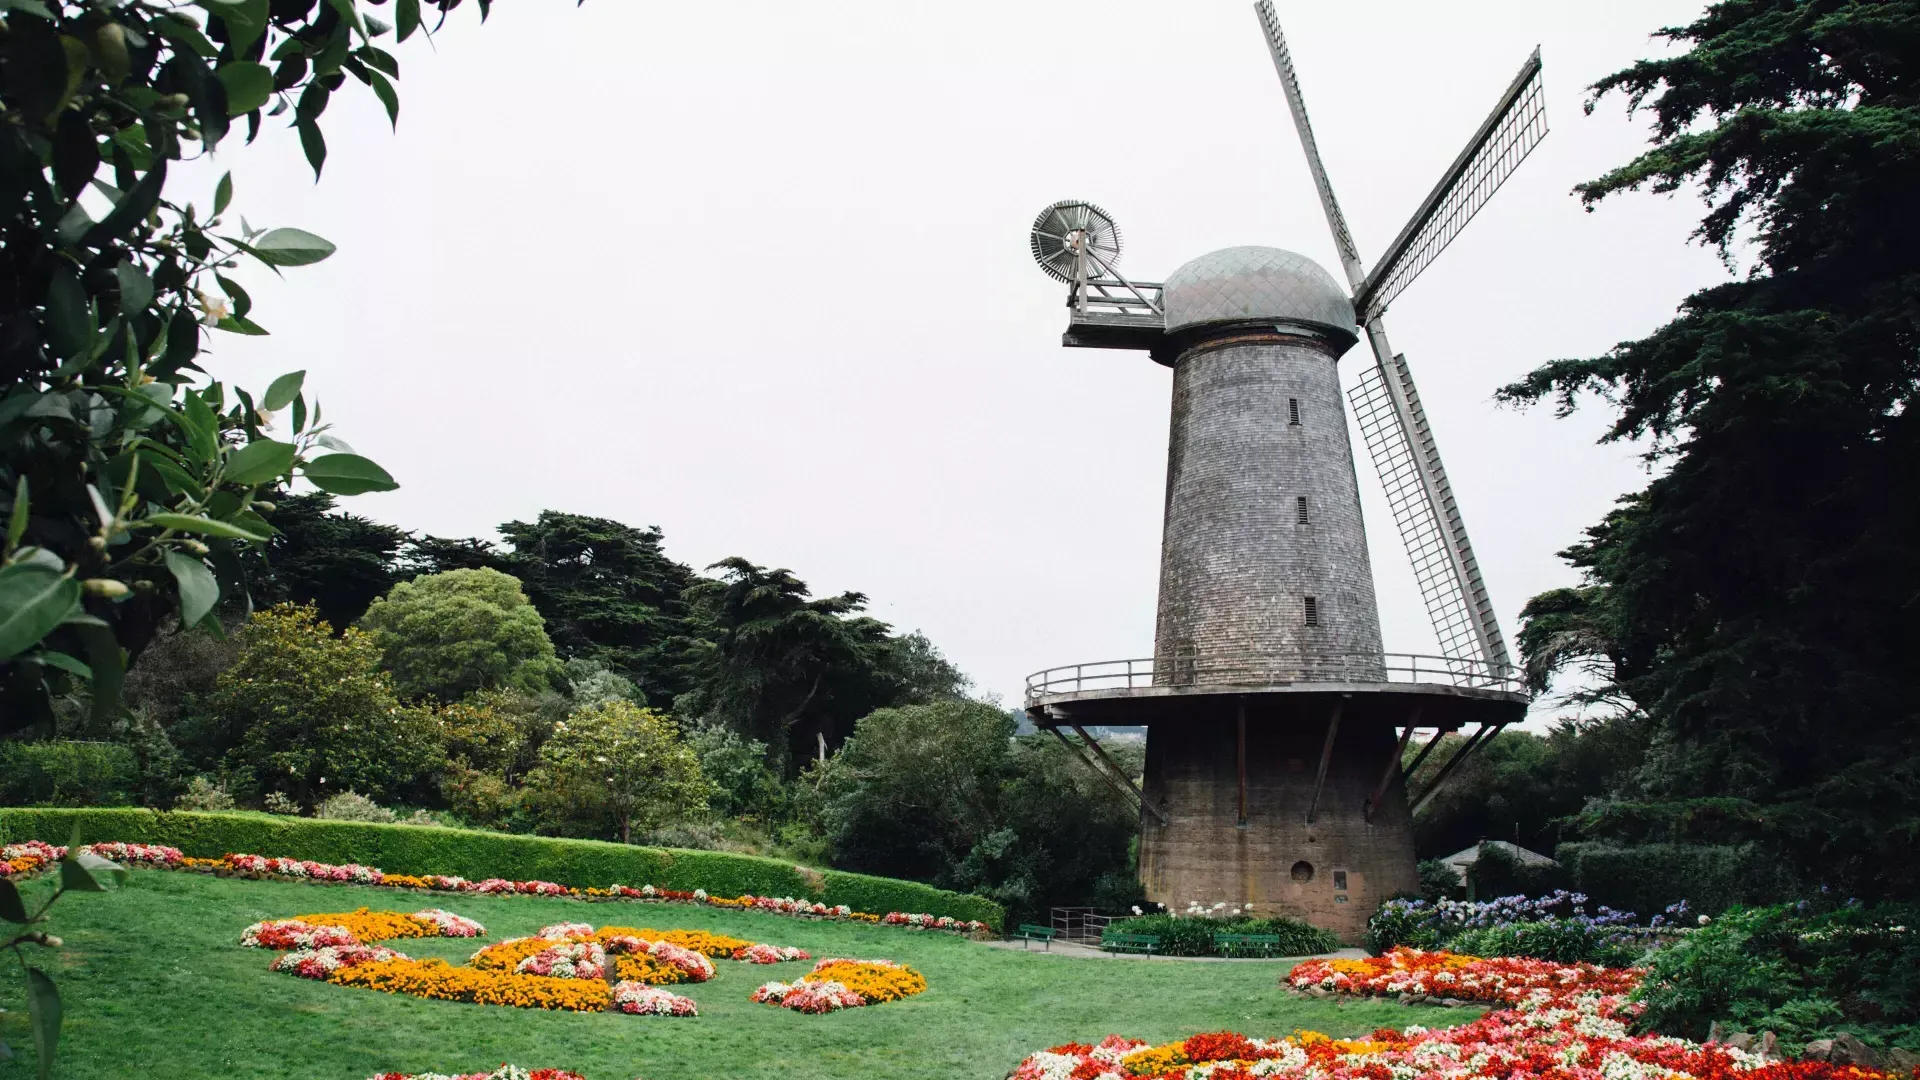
(129,490)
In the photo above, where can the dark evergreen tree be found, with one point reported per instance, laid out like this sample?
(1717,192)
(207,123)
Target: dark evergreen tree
(608,593)
(1763,589)
(337,562)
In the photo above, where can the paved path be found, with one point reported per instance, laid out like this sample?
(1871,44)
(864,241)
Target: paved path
(1076,949)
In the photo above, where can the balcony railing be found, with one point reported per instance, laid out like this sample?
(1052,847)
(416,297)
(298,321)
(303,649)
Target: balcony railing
(1251,671)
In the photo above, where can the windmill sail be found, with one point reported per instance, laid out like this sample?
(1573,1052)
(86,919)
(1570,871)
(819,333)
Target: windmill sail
(1461,610)
(1392,422)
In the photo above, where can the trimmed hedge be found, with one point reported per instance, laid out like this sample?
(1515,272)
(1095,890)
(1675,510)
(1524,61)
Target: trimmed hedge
(1646,878)
(417,849)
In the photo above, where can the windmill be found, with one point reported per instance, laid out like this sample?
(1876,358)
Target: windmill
(1277,723)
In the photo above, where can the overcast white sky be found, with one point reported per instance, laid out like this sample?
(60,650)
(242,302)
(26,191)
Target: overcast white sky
(757,273)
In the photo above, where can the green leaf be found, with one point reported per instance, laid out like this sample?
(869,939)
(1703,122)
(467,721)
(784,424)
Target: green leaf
(77,878)
(31,7)
(132,208)
(259,462)
(283,391)
(198,591)
(407,13)
(68,664)
(11,908)
(17,520)
(98,865)
(69,321)
(43,1006)
(291,247)
(240,324)
(185,33)
(248,85)
(76,153)
(33,600)
(242,303)
(347,474)
(202,428)
(314,143)
(223,194)
(202,526)
(136,288)
(351,12)
(178,479)
(383,89)
(246,20)
(105,659)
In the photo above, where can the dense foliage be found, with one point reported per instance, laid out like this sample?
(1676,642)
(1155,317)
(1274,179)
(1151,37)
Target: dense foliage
(1194,935)
(307,714)
(615,767)
(1755,601)
(1802,971)
(1523,787)
(447,635)
(944,793)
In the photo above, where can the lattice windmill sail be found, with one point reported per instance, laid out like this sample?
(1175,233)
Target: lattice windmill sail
(1385,402)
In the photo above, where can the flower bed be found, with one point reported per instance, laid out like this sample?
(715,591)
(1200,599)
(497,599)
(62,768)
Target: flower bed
(33,856)
(641,999)
(504,1072)
(1561,1022)
(572,960)
(1502,980)
(835,984)
(770,954)
(361,927)
(433,978)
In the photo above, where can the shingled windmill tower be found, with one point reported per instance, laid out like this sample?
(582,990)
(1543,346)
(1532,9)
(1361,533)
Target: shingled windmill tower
(1277,722)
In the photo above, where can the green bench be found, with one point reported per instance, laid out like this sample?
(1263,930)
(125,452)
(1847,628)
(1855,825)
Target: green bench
(1246,944)
(1130,943)
(1029,933)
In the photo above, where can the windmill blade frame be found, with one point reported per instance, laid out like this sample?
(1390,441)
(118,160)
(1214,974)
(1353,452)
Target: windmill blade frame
(1392,422)
(1505,138)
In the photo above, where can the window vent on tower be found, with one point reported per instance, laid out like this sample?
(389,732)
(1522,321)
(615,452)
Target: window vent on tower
(1293,411)
(1313,612)
(1300,509)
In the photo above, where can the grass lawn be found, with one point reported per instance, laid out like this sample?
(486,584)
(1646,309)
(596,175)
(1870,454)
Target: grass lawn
(156,986)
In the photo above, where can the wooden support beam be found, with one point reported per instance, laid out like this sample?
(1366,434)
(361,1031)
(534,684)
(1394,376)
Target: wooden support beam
(1422,755)
(1240,759)
(1326,759)
(1474,742)
(1116,779)
(1393,767)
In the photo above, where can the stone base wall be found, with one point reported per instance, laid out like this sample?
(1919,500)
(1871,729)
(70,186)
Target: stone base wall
(1333,873)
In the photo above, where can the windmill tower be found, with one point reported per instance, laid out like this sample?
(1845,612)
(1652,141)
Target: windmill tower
(1277,722)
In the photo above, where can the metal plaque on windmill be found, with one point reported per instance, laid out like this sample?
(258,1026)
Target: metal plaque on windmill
(1277,723)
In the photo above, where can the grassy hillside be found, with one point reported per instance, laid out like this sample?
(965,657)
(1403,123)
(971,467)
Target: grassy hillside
(156,986)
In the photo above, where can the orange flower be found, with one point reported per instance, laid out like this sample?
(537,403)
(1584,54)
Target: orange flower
(442,981)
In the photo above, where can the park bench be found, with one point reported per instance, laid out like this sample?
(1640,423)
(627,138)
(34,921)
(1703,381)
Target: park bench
(1029,933)
(1130,943)
(1246,944)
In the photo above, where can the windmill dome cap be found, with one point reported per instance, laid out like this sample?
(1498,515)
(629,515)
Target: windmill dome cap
(1254,284)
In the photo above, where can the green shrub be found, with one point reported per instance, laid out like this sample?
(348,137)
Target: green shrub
(1652,877)
(1439,881)
(203,794)
(1565,940)
(1794,970)
(1190,935)
(67,773)
(408,849)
